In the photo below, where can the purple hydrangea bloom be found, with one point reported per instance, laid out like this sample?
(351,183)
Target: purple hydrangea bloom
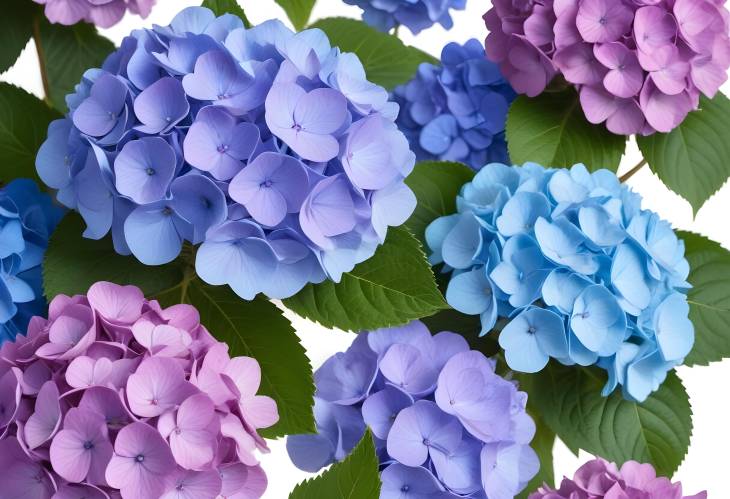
(115,396)
(640,66)
(27,219)
(416,15)
(457,111)
(599,478)
(445,424)
(584,275)
(268,148)
(103,13)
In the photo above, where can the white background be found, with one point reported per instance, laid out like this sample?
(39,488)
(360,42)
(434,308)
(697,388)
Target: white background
(705,467)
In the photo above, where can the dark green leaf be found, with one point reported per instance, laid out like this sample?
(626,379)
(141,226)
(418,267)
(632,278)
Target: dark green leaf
(392,288)
(692,159)
(656,431)
(436,185)
(220,7)
(16,28)
(552,130)
(709,298)
(356,477)
(66,52)
(298,11)
(257,329)
(73,263)
(543,445)
(24,123)
(387,61)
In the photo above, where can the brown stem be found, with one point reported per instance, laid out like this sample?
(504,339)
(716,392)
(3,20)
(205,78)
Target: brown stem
(631,172)
(41,58)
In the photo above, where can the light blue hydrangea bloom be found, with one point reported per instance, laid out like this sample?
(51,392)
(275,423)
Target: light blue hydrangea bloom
(584,275)
(416,15)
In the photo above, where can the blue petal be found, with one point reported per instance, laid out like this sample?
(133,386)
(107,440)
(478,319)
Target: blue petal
(674,331)
(562,287)
(462,242)
(470,292)
(152,235)
(598,321)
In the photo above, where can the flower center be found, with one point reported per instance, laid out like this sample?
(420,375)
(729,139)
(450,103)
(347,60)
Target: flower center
(139,458)
(531,330)
(405,488)
(266,183)
(167,211)
(223,148)
(297,127)
(150,171)
(603,21)
(88,445)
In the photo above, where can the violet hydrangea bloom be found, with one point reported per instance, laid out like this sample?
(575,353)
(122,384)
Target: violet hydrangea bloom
(416,15)
(103,13)
(457,111)
(27,219)
(599,478)
(582,272)
(113,395)
(445,424)
(269,149)
(640,66)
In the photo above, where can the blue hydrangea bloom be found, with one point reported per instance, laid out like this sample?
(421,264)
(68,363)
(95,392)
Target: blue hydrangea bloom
(416,15)
(445,424)
(457,111)
(269,149)
(27,219)
(584,275)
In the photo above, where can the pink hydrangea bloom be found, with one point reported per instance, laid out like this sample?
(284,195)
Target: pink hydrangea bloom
(598,479)
(103,13)
(640,66)
(113,395)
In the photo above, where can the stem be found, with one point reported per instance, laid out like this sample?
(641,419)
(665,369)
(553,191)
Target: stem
(631,172)
(395,30)
(41,58)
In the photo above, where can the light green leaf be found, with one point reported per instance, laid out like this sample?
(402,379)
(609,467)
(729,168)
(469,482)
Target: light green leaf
(393,287)
(552,130)
(387,61)
(24,123)
(220,7)
(656,431)
(692,160)
(356,477)
(257,329)
(709,298)
(436,185)
(298,11)
(66,53)
(72,264)
(16,29)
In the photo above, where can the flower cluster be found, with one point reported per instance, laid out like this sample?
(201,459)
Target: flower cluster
(416,15)
(268,147)
(585,275)
(114,394)
(103,13)
(445,424)
(639,65)
(598,479)
(457,111)
(27,219)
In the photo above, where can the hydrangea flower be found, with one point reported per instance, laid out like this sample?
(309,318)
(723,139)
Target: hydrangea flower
(445,424)
(584,275)
(113,395)
(639,66)
(416,15)
(599,478)
(269,149)
(103,13)
(457,111)
(27,219)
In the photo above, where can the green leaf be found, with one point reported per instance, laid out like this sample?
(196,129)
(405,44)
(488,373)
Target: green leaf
(66,52)
(656,431)
(692,160)
(392,288)
(552,130)
(24,123)
(436,185)
(709,298)
(542,444)
(356,477)
(72,264)
(387,61)
(298,11)
(220,7)
(16,29)
(257,329)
